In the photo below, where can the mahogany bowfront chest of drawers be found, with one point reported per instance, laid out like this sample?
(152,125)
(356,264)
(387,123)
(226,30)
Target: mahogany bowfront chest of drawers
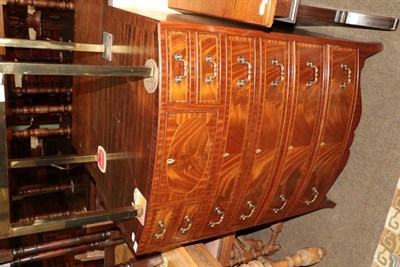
(246,127)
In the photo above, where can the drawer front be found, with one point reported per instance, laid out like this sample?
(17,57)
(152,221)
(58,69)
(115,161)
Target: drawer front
(343,81)
(188,155)
(340,108)
(186,223)
(315,189)
(241,62)
(159,227)
(209,68)
(179,67)
(273,105)
(303,128)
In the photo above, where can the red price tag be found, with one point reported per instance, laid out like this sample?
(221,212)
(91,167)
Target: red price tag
(101,159)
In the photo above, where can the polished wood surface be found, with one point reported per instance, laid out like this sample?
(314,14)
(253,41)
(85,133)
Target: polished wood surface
(2,30)
(37,90)
(256,12)
(69,5)
(310,15)
(41,132)
(43,109)
(132,130)
(255,133)
(262,12)
(283,8)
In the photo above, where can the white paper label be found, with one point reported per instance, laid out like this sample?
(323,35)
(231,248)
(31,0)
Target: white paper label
(34,142)
(18,80)
(139,200)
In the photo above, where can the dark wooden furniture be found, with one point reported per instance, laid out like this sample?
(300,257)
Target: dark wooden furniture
(69,5)
(260,12)
(246,127)
(263,12)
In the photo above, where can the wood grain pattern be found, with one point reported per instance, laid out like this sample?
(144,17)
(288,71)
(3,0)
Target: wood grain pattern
(303,128)
(178,44)
(338,114)
(84,99)
(209,46)
(164,216)
(237,131)
(197,146)
(2,30)
(270,125)
(247,11)
(116,113)
(282,8)
(184,228)
(189,147)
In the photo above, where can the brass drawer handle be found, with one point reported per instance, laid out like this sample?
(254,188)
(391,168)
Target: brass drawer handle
(252,207)
(284,200)
(219,211)
(275,83)
(243,61)
(164,230)
(189,225)
(348,70)
(316,74)
(179,78)
(315,194)
(209,59)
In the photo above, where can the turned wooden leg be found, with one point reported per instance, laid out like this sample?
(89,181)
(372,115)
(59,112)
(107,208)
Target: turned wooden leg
(42,109)
(304,257)
(37,90)
(41,132)
(276,229)
(259,246)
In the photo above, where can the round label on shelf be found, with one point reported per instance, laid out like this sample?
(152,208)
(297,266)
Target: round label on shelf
(101,159)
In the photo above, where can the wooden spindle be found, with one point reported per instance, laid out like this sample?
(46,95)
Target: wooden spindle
(68,251)
(49,216)
(242,255)
(305,257)
(276,229)
(41,132)
(28,191)
(38,90)
(30,110)
(64,5)
(35,22)
(73,241)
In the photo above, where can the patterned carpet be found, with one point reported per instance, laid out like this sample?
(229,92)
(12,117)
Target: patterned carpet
(387,253)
